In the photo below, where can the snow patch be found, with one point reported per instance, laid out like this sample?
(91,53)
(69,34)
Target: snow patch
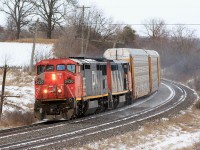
(26,97)
(19,54)
(165,119)
(172,138)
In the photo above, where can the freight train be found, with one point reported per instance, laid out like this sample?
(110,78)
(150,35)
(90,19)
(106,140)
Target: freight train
(67,88)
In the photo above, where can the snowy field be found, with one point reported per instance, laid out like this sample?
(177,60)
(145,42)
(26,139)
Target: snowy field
(173,138)
(26,98)
(19,54)
(18,84)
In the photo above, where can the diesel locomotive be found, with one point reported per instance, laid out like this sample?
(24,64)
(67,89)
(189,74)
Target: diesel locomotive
(67,88)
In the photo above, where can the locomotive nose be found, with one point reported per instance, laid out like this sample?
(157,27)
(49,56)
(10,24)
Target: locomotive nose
(54,88)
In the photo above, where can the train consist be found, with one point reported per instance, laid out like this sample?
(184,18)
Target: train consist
(71,87)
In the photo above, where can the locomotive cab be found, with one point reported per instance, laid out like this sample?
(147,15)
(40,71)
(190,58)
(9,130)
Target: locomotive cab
(55,85)
(52,80)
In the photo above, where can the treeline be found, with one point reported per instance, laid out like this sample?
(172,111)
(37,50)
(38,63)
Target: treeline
(91,33)
(178,47)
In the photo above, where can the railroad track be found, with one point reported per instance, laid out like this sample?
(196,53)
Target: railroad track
(19,129)
(44,124)
(170,99)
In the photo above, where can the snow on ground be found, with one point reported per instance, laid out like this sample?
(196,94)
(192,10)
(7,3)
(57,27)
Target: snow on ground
(19,54)
(21,85)
(26,98)
(172,139)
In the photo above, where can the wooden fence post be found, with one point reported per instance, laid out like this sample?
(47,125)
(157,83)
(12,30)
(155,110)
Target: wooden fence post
(3,89)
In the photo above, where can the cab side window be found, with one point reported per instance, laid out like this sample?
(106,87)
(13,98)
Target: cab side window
(71,68)
(40,69)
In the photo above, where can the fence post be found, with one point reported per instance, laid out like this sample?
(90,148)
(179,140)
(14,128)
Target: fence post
(3,89)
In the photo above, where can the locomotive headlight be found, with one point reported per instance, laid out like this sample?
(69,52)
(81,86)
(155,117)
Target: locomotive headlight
(53,76)
(59,90)
(45,91)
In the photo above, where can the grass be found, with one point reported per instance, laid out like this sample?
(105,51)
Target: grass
(38,40)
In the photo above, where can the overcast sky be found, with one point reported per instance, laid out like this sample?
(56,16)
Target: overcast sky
(135,12)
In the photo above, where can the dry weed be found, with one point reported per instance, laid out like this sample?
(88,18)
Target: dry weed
(38,40)
(19,78)
(196,146)
(197,105)
(17,118)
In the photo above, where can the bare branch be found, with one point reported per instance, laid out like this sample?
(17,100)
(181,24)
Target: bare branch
(19,11)
(155,28)
(52,12)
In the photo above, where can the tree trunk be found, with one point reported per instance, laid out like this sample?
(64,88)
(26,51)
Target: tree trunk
(18,32)
(49,29)
(49,34)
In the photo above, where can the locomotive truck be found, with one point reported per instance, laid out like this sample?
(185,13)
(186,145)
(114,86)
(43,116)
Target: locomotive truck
(67,88)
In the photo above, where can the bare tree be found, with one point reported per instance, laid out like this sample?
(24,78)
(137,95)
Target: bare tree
(155,28)
(19,11)
(99,34)
(68,45)
(10,28)
(10,24)
(157,34)
(102,28)
(1,28)
(184,38)
(5,59)
(38,56)
(52,13)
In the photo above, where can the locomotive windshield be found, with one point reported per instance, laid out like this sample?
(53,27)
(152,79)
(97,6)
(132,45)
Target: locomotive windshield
(60,67)
(49,68)
(71,68)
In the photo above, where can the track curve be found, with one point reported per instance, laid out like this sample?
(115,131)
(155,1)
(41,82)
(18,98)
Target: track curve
(170,99)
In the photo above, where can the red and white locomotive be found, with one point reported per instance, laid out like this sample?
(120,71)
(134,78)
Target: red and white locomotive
(71,87)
